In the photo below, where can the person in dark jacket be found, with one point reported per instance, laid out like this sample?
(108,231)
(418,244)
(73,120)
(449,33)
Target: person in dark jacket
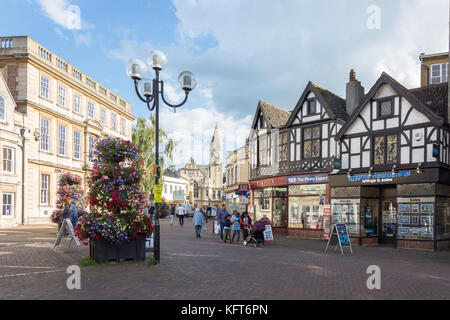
(246,223)
(152,212)
(221,219)
(227,228)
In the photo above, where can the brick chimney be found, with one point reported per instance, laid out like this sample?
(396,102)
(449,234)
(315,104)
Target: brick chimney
(354,93)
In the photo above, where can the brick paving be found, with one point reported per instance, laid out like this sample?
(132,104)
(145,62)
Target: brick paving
(207,268)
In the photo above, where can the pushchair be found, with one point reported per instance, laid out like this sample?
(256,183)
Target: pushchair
(255,237)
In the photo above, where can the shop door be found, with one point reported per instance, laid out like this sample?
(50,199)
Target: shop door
(388,215)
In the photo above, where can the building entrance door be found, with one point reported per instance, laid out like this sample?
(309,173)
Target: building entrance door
(388,214)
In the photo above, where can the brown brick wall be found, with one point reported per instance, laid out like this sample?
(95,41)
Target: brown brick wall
(443,244)
(411,244)
(369,241)
(305,234)
(423,76)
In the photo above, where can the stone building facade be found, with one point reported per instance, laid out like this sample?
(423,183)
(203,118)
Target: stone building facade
(206,187)
(61,111)
(236,173)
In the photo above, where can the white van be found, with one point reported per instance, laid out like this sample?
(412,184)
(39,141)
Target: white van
(188,211)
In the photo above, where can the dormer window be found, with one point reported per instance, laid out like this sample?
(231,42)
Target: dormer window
(311,107)
(385,108)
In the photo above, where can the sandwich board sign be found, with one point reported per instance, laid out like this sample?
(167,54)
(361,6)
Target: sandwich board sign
(66,227)
(268,234)
(339,236)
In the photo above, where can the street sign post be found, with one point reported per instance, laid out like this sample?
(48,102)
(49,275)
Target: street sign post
(158,193)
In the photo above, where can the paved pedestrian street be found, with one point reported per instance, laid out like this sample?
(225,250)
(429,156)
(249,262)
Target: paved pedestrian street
(206,268)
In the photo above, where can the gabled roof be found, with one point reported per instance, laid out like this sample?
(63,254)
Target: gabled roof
(274,116)
(334,104)
(435,96)
(414,97)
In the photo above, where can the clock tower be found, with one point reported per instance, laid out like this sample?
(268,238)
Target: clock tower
(216,159)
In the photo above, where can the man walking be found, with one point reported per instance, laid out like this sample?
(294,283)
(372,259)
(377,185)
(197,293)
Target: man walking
(197,222)
(221,219)
(180,210)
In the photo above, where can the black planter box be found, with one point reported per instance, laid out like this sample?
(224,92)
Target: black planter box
(103,251)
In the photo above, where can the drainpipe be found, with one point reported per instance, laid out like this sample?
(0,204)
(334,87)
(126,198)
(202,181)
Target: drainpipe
(22,134)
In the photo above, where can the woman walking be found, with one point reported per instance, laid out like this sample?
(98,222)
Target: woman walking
(236,226)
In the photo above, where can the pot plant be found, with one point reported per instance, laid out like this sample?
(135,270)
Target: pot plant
(115,226)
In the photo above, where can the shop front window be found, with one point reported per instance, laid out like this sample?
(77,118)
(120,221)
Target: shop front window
(415,219)
(306,206)
(346,211)
(369,217)
(279,212)
(263,208)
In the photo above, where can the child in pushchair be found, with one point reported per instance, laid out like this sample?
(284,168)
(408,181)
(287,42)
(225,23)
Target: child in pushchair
(255,234)
(254,237)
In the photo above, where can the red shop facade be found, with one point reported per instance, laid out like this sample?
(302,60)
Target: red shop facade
(295,204)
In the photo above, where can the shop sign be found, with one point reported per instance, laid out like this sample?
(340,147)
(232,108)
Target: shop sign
(268,234)
(436,151)
(243,188)
(310,178)
(326,222)
(339,236)
(268,182)
(377,177)
(416,200)
(158,193)
(245,194)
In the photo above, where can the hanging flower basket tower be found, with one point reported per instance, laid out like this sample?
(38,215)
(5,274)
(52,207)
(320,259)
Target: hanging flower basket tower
(70,190)
(116,226)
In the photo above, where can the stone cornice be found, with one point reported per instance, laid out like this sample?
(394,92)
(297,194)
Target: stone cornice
(58,75)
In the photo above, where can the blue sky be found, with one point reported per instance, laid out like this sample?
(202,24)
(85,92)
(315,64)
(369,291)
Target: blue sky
(241,51)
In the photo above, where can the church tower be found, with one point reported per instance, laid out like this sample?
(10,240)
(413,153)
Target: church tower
(216,159)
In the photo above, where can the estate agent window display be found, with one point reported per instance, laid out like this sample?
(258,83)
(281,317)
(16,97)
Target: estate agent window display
(415,219)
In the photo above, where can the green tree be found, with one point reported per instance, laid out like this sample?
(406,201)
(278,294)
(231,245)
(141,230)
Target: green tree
(144,133)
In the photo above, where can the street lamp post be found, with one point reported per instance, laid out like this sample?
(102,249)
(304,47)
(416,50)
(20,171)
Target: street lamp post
(149,90)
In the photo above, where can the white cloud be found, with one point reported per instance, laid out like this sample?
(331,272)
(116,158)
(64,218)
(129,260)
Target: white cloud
(62,13)
(269,50)
(68,16)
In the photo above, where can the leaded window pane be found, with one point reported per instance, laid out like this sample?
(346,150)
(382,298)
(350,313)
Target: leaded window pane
(380,150)
(307,149)
(316,132)
(307,134)
(315,149)
(392,149)
(386,108)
